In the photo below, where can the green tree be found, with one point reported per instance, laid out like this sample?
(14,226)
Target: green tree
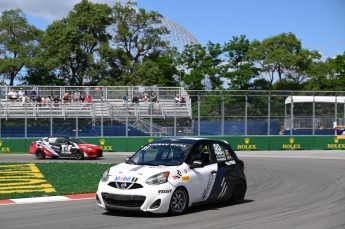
(73,43)
(202,66)
(156,69)
(327,75)
(238,69)
(19,44)
(136,34)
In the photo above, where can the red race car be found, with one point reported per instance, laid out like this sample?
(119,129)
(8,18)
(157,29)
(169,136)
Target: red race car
(55,147)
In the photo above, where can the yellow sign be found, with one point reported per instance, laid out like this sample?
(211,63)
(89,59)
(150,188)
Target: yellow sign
(4,149)
(23,178)
(102,143)
(336,144)
(291,144)
(246,145)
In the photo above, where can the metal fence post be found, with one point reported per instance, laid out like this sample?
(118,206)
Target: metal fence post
(222,113)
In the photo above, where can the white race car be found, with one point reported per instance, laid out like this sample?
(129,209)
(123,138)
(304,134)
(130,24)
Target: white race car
(170,175)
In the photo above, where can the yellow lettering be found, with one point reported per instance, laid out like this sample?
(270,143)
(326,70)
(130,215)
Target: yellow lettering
(246,146)
(5,149)
(291,146)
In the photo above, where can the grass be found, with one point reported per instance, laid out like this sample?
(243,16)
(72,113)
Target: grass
(66,178)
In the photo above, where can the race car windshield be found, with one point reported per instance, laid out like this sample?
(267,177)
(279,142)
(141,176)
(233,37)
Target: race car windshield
(168,154)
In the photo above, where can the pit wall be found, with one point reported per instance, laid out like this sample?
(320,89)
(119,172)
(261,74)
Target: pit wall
(131,144)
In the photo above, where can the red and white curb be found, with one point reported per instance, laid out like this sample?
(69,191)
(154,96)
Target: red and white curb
(48,199)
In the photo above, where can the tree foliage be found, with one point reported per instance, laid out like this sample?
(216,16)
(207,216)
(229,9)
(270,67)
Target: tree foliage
(72,44)
(19,44)
(121,45)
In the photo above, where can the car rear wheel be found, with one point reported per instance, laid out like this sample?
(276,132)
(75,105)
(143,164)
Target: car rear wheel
(40,154)
(179,202)
(78,155)
(239,192)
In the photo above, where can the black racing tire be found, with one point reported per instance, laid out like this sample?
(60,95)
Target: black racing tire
(239,192)
(178,202)
(79,155)
(40,154)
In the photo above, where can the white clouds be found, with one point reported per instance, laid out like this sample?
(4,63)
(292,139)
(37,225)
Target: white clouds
(47,9)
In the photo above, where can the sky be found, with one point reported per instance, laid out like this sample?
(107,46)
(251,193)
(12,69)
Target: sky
(318,24)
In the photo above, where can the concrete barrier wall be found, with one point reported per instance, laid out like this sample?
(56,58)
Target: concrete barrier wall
(131,144)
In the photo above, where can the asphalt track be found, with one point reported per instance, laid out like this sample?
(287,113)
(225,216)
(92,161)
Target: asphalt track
(286,189)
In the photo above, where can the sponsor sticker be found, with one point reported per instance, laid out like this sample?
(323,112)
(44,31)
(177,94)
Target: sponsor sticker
(232,162)
(164,191)
(185,178)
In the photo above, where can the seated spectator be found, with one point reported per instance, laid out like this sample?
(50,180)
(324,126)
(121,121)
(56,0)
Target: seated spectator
(177,99)
(12,95)
(76,95)
(182,100)
(125,99)
(154,97)
(82,99)
(21,95)
(88,99)
(145,97)
(56,101)
(157,108)
(39,101)
(135,100)
(33,95)
(66,98)
(45,101)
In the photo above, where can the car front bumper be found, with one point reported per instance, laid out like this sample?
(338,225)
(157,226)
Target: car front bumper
(151,198)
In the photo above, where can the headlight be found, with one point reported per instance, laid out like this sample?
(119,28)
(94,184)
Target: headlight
(159,178)
(105,176)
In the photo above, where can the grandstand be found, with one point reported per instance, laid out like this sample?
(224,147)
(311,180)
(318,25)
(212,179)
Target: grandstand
(107,111)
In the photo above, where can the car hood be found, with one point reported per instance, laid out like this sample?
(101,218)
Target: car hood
(126,172)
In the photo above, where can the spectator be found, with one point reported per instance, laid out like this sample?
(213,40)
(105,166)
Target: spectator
(21,95)
(145,97)
(88,99)
(33,95)
(182,100)
(66,98)
(154,97)
(45,101)
(135,100)
(82,99)
(157,108)
(177,99)
(125,99)
(38,100)
(12,95)
(76,95)
(56,101)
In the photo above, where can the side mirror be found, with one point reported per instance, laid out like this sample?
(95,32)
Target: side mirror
(126,159)
(197,164)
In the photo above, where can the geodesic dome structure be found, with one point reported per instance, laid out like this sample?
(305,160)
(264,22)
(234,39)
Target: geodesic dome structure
(179,36)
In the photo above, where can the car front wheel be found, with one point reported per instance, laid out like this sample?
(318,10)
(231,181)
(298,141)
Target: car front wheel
(78,155)
(178,202)
(40,154)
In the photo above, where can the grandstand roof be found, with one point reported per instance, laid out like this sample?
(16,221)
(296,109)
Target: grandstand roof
(316,99)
